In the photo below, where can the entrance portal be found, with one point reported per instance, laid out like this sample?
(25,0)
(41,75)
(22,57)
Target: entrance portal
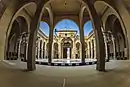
(64,52)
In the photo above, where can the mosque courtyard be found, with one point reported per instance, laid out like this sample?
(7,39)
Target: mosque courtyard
(14,73)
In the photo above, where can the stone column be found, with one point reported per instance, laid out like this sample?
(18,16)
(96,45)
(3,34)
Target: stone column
(26,48)
(82,44)
(26,51)
(90,54)
(42,50)
(59,49)
(53,53)
(45,50)
(80,51)
(73,50)
(94,49)
(114,46)
(33,36)
(100,46)
(91,50)
(38,49)
(50,45)
(43,54)
(106,47)
(19,47)
(82,41)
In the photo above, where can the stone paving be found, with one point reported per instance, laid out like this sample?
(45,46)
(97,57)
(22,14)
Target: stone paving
(13,74)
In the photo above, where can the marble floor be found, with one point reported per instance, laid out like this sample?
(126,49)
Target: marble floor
(13,74)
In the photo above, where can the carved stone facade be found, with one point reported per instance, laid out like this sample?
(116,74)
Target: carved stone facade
(63,42)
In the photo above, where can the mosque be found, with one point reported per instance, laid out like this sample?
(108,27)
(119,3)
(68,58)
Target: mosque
(66,45)
(23,45)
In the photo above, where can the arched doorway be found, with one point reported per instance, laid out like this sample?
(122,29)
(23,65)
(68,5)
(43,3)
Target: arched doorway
(116,39)
(121,41)
(11,40)
(67,45)
(18,40)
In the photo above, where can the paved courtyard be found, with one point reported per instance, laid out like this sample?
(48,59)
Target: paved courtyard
(13,74)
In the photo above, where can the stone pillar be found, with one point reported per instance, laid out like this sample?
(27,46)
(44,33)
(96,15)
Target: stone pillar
(26,51)
(53,53)
(86,51)
(50,45)
(73,50)
(80,51)
(43,54)
(45,50)
(59,49)
(19,47)
(100,46)
(114,46)
(81,30)
(26,48)
(106,47)
(33,36)
(90,54)
(91,50)
(42,50)
(82,44)
(38,49)
(94,49)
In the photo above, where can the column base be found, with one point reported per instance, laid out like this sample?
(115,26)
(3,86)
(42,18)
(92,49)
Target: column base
(31,67)
(83,61)
(100,68)
(49,64)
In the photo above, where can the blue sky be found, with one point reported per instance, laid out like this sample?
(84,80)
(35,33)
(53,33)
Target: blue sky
(66,25)
(45,28)
(88,28)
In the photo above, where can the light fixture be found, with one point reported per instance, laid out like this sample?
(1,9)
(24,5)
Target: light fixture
(65,3)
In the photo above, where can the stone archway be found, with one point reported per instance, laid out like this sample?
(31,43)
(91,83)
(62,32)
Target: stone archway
(97,29)
(19,45)
(121,41)
(117,9)
(67,45)
(113,25)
